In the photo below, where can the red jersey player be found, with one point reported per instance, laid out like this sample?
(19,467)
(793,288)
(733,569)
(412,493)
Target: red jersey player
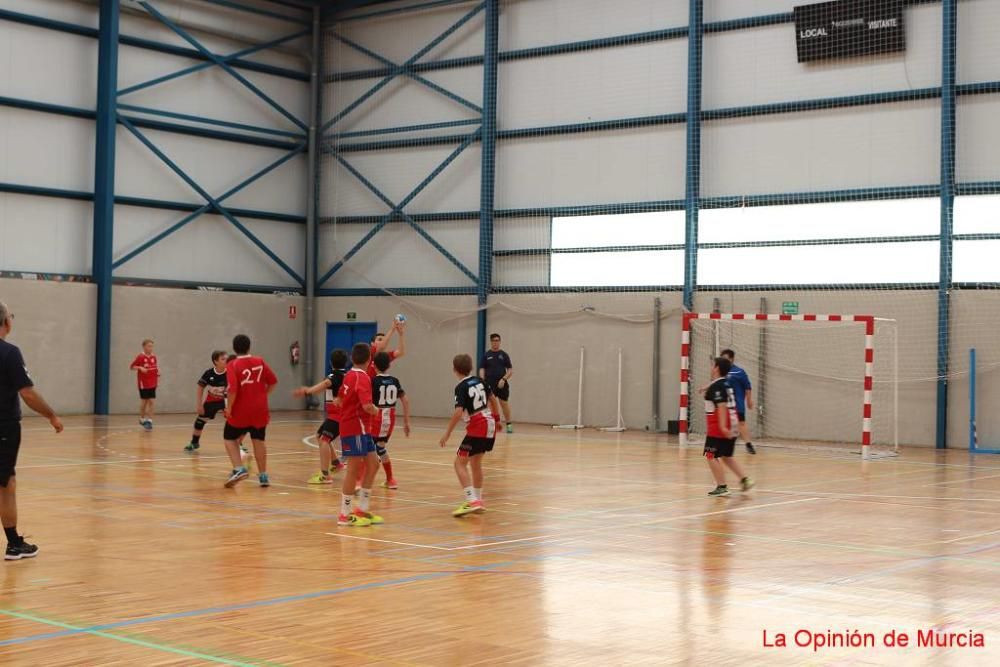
(381,341)
(250,381)
(720,440)
(148,376)
(473,402)
(386,392)
(357,446)
(330,428)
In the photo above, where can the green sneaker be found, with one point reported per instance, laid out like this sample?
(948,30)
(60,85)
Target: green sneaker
(746,484)
(191,446)
(510,428)
(720,490)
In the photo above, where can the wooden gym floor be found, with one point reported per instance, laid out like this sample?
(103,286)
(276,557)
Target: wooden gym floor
(597,549)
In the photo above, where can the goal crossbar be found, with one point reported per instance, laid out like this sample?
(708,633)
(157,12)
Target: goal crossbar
(868,321)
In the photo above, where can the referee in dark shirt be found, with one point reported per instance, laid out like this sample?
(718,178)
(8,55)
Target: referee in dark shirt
(495,369)
(15,384)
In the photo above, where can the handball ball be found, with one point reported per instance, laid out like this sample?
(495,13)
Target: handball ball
(400,317)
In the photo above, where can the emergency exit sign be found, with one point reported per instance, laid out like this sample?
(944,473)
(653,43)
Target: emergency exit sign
(789,307)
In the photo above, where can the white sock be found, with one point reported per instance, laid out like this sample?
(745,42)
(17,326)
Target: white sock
(345,504)
(478,493)
(470,494)
(366,496)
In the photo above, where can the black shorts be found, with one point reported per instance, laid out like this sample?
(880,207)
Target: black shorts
(236,432)
(717,448)
(473,446)
(502,393)
(329,429)
(10,444)
(211,409)
(145,394)
(741,416)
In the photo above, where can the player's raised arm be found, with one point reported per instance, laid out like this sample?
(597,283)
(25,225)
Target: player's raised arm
(401,348)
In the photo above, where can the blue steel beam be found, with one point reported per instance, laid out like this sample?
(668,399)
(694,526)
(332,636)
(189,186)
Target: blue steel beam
(487,170)
(405,72)
(249,85)
(399,10)
(692,186)
(143,202)
(405,128)
(393,207)
(206,207)
(229,4)
(393,73)
(397,210)
(211,121)
(949,56)
(104,198)
(208,198)
(206,65)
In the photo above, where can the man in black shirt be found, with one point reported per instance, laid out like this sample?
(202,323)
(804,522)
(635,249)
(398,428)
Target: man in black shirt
(495,369)
(15,384)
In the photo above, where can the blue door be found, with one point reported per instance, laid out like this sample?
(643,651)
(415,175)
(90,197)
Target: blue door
(344,335)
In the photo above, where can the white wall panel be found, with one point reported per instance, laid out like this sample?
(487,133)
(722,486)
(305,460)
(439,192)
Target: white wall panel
(603,167)
(528,23)
(45,234)
(721,10)
(208,248)
(759,65)
(514,233)
(638,80)
(80,13)
(978,48)
(404,101)
(860,147)
(978,150)
(399,36)
(399,257)
(216,166)
(47,66)
(522,271)
(397,172)
(46,150)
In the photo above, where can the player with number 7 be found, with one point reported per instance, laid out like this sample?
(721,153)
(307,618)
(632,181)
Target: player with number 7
(478,407)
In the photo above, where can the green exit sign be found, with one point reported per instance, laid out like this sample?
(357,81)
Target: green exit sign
(789,307)
(352,317)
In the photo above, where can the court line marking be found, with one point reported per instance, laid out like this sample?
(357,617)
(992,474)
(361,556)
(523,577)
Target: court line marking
(373,539)
(73,630)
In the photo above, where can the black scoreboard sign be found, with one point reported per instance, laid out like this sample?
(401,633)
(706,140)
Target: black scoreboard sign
(846,28)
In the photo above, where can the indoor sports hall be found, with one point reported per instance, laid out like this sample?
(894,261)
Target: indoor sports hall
(500,332)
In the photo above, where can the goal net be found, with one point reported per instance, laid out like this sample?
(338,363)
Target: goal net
(825,380)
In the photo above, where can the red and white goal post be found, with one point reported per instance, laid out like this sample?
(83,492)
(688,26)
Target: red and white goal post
(867,321)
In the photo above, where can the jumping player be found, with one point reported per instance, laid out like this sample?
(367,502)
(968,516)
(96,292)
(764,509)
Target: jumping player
(743,391)
(386,392)
(357,446)
(495,369)
(211,397)
(476,405)
(380,343)
(720,440)
(250,381)
(330,429)
(148,376)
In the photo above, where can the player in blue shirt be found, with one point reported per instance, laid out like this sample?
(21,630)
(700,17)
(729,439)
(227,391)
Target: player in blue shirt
(743,391)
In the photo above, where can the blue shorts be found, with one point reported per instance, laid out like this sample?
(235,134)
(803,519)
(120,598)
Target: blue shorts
(357,445)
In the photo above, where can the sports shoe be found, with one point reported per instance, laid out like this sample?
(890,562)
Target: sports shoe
(19,551)
(373,519)
(191,446)
(147,424)
(510,428)
(390,484)
(339,465)
(353,520)
(238,475)
(751,449)
(264,479)
(320,478)
(746,484)
(465,508)
(720,490)
(477,506)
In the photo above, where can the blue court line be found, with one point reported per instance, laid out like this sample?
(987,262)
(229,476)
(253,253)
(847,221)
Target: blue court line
(208,611)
